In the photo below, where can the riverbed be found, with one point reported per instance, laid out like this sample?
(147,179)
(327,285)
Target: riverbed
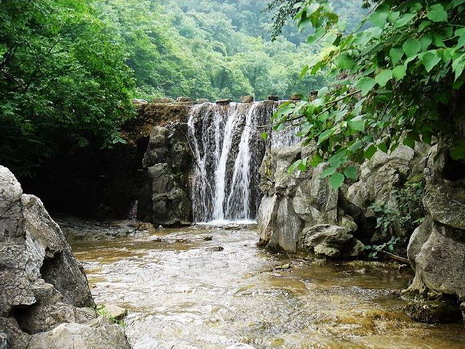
(209,287)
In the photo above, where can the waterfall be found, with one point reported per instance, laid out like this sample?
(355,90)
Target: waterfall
(227,148)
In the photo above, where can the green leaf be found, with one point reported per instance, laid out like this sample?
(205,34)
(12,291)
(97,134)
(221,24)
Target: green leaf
(325,135)
(264,136)
(425,42)
(379,19)
(304,71)
(383,147)
(437,13)
(411,47)
(356,146)
(399,72)
(357,125)
(456,3)
(383,77)
(365,85)
(328,171)
(458,150)
(458,66)
(461,34)
(336,180)
(299,164)
(396,54)
(409,142)
(323,92)
(430,59)
(316,160)
(344,61)
(317,67)
(351,172)
(405,19)
(370,152)
(317,36)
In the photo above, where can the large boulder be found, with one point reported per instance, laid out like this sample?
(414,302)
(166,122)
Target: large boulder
(437,247)
(43,285)
(292,202)
(331,241)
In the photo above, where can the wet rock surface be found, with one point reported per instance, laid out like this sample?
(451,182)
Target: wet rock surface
(43,285)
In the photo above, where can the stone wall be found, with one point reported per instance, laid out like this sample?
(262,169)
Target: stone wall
(168,162)
(45,301)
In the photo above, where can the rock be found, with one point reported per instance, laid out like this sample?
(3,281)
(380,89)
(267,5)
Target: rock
(273,98)
(295,97)
(433,312)
(184,100)
(331,241)
(34,249)
(138,102)
(217,248)
(167,163)
(3,341)
(97,334)
(437,248)
(43,285)
(223,101)
(114,312)
(16,338)
(247,99)
(202,100)
(208,238)
(283,267)
(162,100)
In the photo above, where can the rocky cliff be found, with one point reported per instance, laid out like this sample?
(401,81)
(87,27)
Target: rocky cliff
(300,212)
(45,301)
(437,247)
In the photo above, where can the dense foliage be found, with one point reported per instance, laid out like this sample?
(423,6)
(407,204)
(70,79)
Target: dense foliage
(399,81)
(63,82)
(207,49)
(69,69)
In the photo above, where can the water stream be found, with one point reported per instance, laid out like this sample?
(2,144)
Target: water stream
(228,151)
(208,287)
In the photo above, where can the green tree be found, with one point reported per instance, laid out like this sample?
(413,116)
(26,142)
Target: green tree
(63,81)
(399,81)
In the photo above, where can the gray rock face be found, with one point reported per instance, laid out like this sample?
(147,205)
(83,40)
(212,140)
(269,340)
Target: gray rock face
(307,200)
(331,241)
(437,248)
(42,284)
(292,202)
(167,161)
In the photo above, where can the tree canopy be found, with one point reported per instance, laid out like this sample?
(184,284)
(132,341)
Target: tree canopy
(398,81)
(63,81)
(69,69)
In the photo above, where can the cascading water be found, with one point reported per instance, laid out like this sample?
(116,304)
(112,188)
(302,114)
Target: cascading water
(228,150)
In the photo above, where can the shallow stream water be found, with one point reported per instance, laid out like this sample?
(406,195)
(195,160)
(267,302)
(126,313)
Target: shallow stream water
(207,287)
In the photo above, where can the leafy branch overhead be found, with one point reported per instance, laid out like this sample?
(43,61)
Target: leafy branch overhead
(397,81)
